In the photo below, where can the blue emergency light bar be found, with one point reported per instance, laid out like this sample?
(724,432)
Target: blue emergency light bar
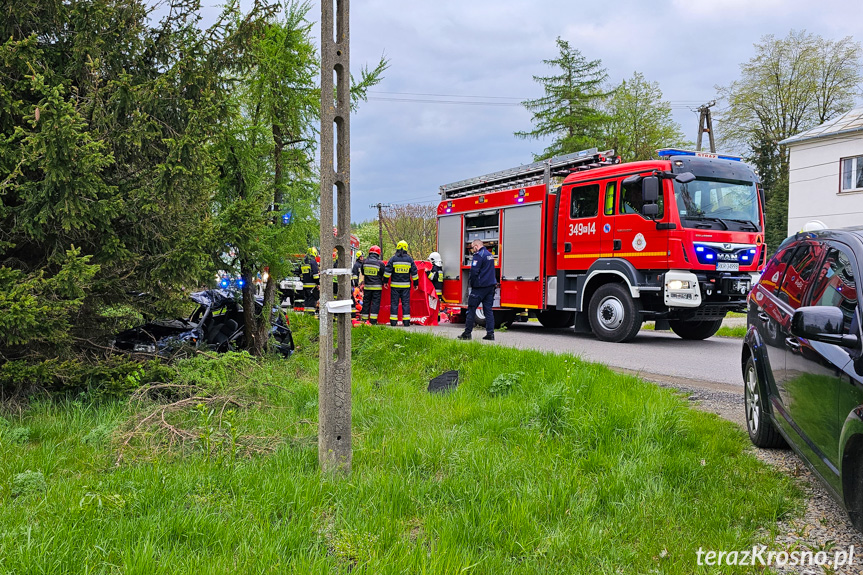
(669,152)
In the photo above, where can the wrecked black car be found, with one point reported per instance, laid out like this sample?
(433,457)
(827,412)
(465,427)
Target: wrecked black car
(216,324)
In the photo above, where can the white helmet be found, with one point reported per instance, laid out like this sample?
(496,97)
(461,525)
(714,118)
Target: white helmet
(435,258)
(814,226)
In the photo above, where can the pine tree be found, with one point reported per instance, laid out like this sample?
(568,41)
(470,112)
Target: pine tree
(571,110)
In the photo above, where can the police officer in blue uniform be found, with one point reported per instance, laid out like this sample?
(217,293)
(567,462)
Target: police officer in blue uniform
(483,284)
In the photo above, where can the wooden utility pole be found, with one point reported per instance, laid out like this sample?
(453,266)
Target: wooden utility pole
(705,124)
(380,208)
(335,452)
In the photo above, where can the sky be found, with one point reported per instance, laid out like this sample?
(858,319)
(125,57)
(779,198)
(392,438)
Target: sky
(449,103)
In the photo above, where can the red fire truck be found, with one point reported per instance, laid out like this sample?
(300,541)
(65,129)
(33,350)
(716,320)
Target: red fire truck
(586,241)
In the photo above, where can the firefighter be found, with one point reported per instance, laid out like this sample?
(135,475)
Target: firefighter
(311,278)
(373,278)
(401,271)
(357,270)
(435,275)
(483,283)
(335,277)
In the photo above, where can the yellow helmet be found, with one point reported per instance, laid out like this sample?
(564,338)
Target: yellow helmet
(402,245)
(359,253)
(313,251)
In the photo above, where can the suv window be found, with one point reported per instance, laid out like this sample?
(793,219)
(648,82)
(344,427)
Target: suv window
(800,273)
(771,278)
(585,202)
(835,286)
(632,201)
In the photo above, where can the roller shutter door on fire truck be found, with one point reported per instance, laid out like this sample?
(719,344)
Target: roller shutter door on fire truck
(521,249)
(450,245)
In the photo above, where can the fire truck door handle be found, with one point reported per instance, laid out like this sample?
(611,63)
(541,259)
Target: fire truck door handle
(567,247)
(618,244)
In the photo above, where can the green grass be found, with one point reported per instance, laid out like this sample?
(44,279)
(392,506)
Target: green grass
(537,463)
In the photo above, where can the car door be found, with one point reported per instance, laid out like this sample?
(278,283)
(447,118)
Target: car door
(821,380)
(798,277)
(767,312)
(579,226)
(635,235)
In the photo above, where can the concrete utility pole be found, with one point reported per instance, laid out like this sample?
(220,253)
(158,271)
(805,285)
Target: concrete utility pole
(380,208)
(334,380)
(705,124)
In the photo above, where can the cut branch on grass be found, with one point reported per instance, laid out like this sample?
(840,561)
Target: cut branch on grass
(157,423)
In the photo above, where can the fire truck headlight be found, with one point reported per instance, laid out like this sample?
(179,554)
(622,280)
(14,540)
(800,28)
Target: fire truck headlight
(678,285)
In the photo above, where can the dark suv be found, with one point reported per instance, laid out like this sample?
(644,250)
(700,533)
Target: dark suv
(802,359)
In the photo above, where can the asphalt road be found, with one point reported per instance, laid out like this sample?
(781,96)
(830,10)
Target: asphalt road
(659,356)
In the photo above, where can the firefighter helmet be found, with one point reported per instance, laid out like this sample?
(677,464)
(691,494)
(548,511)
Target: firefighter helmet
(359,253)
(313,251)
(435,258)
(402,245)
(375,250)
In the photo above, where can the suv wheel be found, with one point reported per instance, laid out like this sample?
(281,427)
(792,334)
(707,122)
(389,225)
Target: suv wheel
(695,329)
(613,314)
(762,432)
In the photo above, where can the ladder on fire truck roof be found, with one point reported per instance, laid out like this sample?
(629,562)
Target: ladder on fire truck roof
(530,174)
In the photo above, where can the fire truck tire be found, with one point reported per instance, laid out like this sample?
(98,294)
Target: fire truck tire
(553,318)
(614,315)
(695,329)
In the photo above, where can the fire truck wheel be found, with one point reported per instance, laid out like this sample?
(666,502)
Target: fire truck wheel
(614,315)
(553,318)
(695,329)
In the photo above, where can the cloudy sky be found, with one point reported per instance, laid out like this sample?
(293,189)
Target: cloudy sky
(449,103)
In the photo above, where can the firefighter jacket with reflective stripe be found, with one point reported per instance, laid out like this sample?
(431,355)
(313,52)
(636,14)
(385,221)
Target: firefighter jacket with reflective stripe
(310,272)
(482,269)
(373,272)
(401,269)
(435,275)
(355,273)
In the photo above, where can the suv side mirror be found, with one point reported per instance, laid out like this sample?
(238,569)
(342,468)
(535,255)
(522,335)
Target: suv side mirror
(822,323)
(650,189)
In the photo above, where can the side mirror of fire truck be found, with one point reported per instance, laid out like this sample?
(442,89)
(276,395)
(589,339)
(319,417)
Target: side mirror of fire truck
(650,211)
(650,190)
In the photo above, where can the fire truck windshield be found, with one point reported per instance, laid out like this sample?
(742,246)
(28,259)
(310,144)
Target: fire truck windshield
(718,204)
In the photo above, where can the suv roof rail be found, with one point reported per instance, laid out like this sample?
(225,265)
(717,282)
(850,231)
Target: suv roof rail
(529,174)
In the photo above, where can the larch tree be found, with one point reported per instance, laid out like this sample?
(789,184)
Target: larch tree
(571,111)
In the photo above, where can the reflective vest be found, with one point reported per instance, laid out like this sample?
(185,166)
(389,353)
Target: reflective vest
(373,272)
(310,272)
(400,270)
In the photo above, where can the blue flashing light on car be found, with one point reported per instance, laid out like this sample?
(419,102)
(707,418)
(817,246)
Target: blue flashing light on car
(240,282)
(225,283)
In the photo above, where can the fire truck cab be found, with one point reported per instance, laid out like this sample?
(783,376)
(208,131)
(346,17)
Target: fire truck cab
(585,241)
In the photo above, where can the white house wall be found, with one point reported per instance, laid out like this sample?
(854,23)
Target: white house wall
(814,183)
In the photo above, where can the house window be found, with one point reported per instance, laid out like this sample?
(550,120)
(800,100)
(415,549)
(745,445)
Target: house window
(852,174)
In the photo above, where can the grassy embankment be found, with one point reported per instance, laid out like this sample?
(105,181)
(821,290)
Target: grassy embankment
(538,463)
